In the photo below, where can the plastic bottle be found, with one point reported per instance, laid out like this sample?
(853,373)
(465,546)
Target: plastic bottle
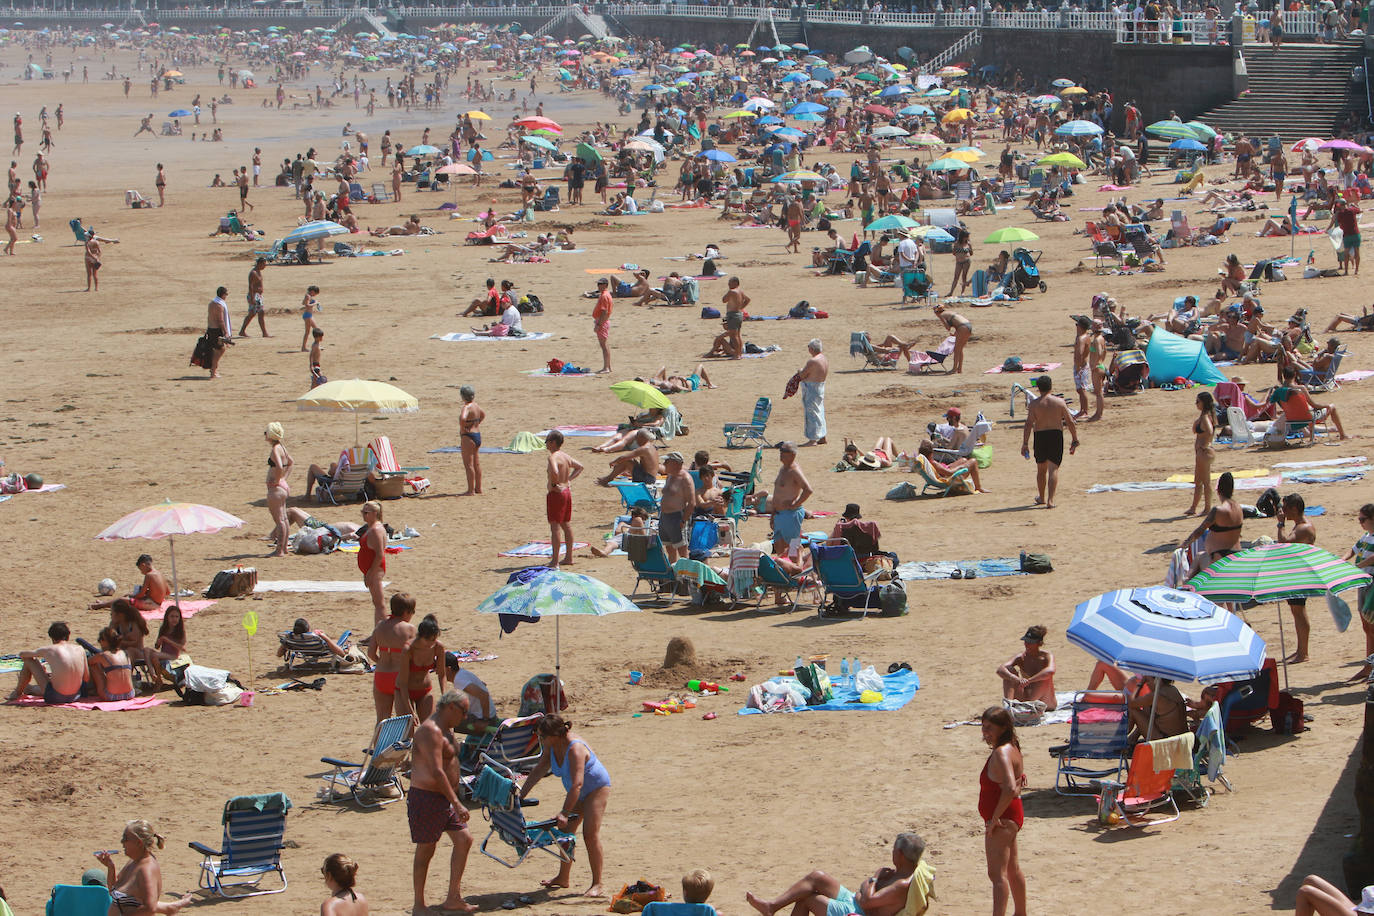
(798,665)
(844,670)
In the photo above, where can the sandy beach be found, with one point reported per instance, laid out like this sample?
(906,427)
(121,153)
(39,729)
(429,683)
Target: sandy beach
(99,397)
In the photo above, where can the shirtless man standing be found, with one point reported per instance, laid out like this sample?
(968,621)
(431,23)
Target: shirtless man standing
(790,491)
(675,507)
(243,190)
(1294,511)
(432,805)
(255,300)
(67,661)
(148,596)
(736,301)
(562,471)
(811,379)
(794,225)
(1082,375)
(219,330)
(1047,417)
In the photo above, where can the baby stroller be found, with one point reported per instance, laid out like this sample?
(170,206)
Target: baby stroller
(1026,274)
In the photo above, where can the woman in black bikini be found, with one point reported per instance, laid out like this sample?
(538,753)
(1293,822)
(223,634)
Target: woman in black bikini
(136,888)
(1222,525)
(110,670)
(1204,429)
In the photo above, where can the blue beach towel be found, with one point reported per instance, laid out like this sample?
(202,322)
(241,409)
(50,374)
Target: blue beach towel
(898,689)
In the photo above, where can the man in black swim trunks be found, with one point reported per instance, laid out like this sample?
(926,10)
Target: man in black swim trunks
(1046,418)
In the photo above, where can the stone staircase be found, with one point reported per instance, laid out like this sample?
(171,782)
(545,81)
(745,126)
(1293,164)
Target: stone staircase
(789,32)
(1301,90)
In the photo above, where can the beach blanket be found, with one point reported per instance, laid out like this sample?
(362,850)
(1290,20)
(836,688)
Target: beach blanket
(189,609)
(544,372)
(1333,476)
(465,337)
(1355,375)
(1025,367)
(1324,463)
(473,655)
(103,705)
(1061,715)
(484,450)
(11,663)
(898,689)
(580,431)
(390,548)
(1238,475)
(943,569)
(312,585)
(46,488)
(536,549)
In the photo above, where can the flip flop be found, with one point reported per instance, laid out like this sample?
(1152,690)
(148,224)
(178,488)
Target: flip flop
(898,666)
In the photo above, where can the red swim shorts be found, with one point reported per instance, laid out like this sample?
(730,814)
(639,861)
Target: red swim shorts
(558,506)
(430,815)
(603,331)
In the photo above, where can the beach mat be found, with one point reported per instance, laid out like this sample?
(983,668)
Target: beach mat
(943,569)
(46,488)
(312,585)
(587,431)
(1061,715)
(12,663)
(101,705)
(484,450)
(545,373)
(536,549)
(189,609)
(390,548)
(472,655)
(898,689)
(1025,367)
(466,337)
(1355,375)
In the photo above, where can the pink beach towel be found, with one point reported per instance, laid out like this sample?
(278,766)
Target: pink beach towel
(189,609)
(1026,367)
(102,705)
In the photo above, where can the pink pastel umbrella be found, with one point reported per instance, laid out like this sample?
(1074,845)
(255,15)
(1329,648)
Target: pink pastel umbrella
(1340,144)
(166,520)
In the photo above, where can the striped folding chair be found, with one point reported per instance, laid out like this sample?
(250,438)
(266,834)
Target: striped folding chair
(251,850)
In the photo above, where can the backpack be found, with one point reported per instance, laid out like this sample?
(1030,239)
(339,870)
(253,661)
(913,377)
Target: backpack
(556,366)
(709,312)
(1036,563)
(230,583)
(530,304)
(1012,364)
(1268,503)
(817,682)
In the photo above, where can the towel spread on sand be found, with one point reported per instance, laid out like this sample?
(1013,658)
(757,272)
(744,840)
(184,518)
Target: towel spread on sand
(898,690)
(1355,375)
(943,569)
(1325,463)
(580,431)
(484,450)
(536,549)
(1061,714)
(103,705)
(472,655)
(310,585)
(466,337)
(189,609)
(545,373)
(1025,367)
(390,548)
(14,663)
(46,488)
(1238,475)
(1334,476)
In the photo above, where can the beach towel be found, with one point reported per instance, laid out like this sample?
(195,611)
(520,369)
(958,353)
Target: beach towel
(1314,477)
(536,549)
(1137,486)
(1355,375)
(813,406)
(898,690)
(311,585)
(102,705)
(543,372)
(943,569)
(472,655)
(1175,753)
(1025,367)
(11,663)
(46,488)
(465,337)
(1325,463)
(390,548)
(1238,475)
(1060,715)
(591,431)
(189,609)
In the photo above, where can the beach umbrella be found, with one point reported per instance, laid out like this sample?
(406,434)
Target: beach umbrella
(538,141)
(311,231)
(1306,144)
(806,108)
(951,72)
(812,117)
(1203,131)
(740,114)
(954,115)
(179,113)
(587,153)
(1073,90)
(456,168)
(655,87)
(538,122)
(824,74)
(167,520)
(887,131)
(794,78)
(930,234)
(357,396)
(758,104)
(768,119)
(895,91)
(1066,160)
(924,140)
(1062,83)
(423,149)
(641,395)
(556,593)
(912,111)
(1340,144)
(891,221)
(623,71)
(1190,145)
(868,77)
(716,155)
(835,94)
(799,175)
(879,110)
(172,73)
(478,115)
(486,155)
(1009,235)
(937,93)
(1048,100)
(965,155)
(1166,633)
(1172,130)
(1078,128)
(860,55)
(788,133)
(947,164)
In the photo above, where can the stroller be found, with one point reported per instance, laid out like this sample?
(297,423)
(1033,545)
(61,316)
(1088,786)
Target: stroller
(1026,275)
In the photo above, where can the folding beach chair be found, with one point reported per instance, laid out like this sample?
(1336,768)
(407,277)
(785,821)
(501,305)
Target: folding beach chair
(842,579)
(955,484)
(515,743)
(549,201)
(380,769)
(1244,703)
(636,494)
(252,845)
(1242,433)
(309,649)
(83,235)
(860,345)
(745,482)
(508,824)
(980,428)
(1097,746)
(78,900)
(1229,394)
(385,466)
(771,575)
(1209,755)
(1323,381)
(380,193)
(739,434)
(348,483)
(1144,790)
(654,567)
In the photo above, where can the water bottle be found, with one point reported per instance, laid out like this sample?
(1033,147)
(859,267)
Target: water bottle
(844,670)
(797,666)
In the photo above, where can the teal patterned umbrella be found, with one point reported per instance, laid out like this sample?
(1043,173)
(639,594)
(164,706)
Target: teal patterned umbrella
(1276,572)
(556,593)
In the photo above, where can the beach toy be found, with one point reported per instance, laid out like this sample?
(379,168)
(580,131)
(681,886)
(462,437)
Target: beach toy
(870,696)
(698,686)
(737,676)
(106,587)
(635,676)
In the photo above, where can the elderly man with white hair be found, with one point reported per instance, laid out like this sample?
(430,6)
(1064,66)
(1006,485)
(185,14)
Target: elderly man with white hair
(810,379)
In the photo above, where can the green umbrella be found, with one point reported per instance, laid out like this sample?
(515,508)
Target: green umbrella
(1204,132)
(587,153)
(892,221)
(537,141)
(556,593)
(1173,130)
(1067,160)
(947,165)
(1010,234)
(868,77)
(641,395)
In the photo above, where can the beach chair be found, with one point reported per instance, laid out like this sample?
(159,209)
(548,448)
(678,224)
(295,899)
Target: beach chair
(1229,394)
(514,743)
(252,845)
(1209,755)
(1244,703)
(771,575)
(543,693)
(380,770)
(635,494)
(654,567)
(83,235)
(745,482)
(277,254)
(980,428)
(385,466)
(309,649)
(922,360)
(1128,372)
(963,190)
(734,201)
(1098,743)
(1144,790)
(1242,433)
(356,192)
(739,434)
(956,484)
(1178,225)
(1036,180)
(842,579)
(1323,381)
(508,824)
(860,345)
(167,130)
(1007,193)
(380,193)
(78,900)
(548,202)
(1103,247)
(349,484)
(133,198)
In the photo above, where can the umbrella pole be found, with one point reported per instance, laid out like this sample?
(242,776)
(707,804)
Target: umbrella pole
(1283,649)
(557,661)
(172,546)
(355,429)
(1154,701)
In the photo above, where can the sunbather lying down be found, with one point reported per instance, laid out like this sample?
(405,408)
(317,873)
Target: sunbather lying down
(303,519)
(675,383)
(411,227)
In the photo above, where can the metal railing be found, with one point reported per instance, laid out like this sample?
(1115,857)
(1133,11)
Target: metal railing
(949,54)
(1197,30)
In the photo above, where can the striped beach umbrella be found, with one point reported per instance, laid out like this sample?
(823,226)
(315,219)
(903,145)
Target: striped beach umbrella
(1163,632)
(1277,572)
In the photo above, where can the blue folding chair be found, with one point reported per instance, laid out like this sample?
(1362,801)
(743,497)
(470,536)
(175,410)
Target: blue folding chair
(514,744)
(654,568)
(508,823)
(309,649)
(380,769)
(636,494)
(842,578)
(738,435)
(78,900)
(253,830)
(771,575)
(1098,744)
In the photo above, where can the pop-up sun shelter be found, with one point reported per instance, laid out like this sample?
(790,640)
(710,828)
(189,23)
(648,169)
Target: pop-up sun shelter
(1171,357)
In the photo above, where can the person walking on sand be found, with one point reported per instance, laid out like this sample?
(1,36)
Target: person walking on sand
(219,329)
(243,189)
(255,300)
(1082,375)
(432,805)
(601,323)
(810,378)
(736,301)
(794,226)
(1046,418)
(161,182)
(309,306)
(92,255)
(562,471)
(11,229)
(790,491)
(470,439)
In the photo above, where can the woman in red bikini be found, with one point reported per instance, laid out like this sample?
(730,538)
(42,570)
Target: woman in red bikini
(999,805)
(424,654)
(372,556)
(387,648)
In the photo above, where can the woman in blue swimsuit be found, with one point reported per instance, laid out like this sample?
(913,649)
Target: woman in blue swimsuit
(588,786)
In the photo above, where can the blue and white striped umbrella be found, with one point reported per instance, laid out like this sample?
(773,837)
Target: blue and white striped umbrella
(1163,632)
(1077,129)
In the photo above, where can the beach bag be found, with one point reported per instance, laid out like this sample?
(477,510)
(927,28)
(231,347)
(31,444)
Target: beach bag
(634,897)
(198,685)
(903,490)
(1036,563)
(868,679)
(1012,364)
(529,304)
(892,598)
(816,682)
(201,355)
(13,483)
(314,541)
(556,366)
(230,583)
(709,312)
(1025,712)
(1286,717)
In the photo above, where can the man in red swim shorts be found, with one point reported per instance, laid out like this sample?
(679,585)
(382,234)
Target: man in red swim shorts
(562,470)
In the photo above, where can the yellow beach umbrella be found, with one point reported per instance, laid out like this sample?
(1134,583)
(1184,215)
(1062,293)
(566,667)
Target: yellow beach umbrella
(357,396)
(955,115)
(479,115)
(965,155)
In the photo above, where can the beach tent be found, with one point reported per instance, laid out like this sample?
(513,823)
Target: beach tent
(1171,357)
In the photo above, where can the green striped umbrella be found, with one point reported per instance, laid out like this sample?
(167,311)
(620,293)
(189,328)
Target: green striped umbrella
(1173,130)
(1277,572)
